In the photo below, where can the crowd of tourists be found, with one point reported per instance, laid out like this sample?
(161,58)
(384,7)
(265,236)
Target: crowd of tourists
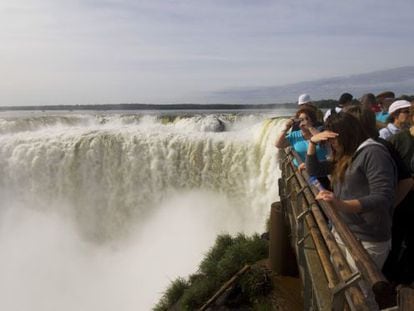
(363,151)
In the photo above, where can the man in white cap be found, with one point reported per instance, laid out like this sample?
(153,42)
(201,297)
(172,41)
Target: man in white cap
(399,118)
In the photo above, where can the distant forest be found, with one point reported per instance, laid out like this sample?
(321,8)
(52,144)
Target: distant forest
(325,103)
(321,104)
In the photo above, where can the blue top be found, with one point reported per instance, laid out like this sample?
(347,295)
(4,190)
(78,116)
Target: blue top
(300,145)
(382,116)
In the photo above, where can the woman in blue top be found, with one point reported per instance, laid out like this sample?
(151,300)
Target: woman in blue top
(299,140)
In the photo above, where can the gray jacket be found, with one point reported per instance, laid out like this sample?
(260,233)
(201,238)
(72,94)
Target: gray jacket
(371,178)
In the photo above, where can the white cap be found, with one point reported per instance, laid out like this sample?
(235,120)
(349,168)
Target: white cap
(399,104)
(304,99)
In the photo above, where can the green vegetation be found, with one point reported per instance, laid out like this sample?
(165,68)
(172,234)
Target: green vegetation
(255,285)
(224,259)
(325,103)
(172,294)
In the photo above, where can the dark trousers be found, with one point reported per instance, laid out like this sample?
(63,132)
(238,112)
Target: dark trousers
(399,266)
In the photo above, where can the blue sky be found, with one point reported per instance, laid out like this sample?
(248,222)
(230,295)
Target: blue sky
(112,51)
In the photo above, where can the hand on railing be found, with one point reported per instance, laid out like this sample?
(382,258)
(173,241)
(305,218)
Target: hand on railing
(346,206)
(327,196)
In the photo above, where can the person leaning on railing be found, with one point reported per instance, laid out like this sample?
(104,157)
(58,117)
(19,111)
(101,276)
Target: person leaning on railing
(299,139)
(398,267)
(363,181)
(305,101)
(404,180)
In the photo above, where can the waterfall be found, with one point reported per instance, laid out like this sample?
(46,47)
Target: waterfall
(109,176)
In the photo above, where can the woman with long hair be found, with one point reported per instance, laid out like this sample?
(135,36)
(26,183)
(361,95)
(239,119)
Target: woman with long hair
(367,119)
(363,177)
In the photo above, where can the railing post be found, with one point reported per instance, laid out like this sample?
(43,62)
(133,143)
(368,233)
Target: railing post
(406,299)
(279,241)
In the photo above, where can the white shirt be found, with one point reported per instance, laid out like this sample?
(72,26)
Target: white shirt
(388,131)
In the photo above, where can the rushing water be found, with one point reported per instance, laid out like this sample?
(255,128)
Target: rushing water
(101,212)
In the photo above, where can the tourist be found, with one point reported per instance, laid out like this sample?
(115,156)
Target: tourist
(398,118)
(305,101)
(399,266)
(299,139)
(368,101)
(344,100)
(368,122)
(404,142)
(384,99)
(363,181)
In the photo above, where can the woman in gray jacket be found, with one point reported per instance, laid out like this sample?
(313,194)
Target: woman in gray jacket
(363,176)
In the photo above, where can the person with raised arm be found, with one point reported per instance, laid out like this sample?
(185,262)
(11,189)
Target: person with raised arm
(363,177)
(368,122)
(305,101)
(299,139)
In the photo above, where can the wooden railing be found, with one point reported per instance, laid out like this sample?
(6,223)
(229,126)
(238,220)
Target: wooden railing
(328,280)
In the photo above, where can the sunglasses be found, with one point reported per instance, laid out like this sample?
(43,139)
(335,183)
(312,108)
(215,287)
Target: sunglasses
(405,111)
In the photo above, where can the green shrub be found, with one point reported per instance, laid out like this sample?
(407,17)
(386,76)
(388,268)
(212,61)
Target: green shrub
(172,294)
(198,294)
(208,264)
(244,250)
(255,284)
(222,261)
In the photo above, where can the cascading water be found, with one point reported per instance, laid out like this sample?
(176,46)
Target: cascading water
(116,206)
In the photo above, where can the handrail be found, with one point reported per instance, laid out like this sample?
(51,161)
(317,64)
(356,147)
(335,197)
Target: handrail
(362,259)
(340,264)
(345,279)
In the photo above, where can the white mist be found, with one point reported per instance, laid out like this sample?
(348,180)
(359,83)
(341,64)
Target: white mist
(104,216)
(45,264)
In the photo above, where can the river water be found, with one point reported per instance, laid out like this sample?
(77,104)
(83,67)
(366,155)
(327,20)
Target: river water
(101,211)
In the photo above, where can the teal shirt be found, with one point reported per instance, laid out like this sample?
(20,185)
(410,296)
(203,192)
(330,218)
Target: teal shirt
(300,145)
(382,116)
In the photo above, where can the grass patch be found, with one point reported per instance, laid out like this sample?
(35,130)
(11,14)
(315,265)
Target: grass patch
(223,260)
(172,294)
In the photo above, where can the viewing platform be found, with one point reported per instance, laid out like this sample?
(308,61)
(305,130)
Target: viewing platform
(302,223)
